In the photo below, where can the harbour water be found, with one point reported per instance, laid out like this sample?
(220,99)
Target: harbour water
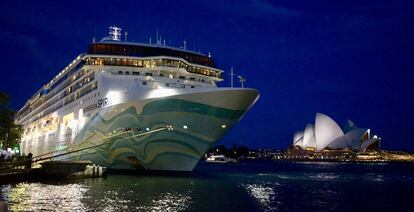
(246,186)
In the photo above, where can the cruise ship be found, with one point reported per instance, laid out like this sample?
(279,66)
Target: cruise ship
(129,105)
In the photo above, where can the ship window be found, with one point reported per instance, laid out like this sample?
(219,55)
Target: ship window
(127,72)
(192,78)
(148,74)
(159,62)
(192,86)
(161,75)
(181,77)
(135,73)
(137,63)
(182,86)
(124,62)
(144,83)
(167,84)
(119,72)
(146,63)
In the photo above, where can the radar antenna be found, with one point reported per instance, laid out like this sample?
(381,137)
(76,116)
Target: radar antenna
(184,44)
(241,80)
(115,33)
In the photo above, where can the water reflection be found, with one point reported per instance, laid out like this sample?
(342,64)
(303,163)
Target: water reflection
(39,196)
(324,176)
(239,187)
(265,195)
(170,201)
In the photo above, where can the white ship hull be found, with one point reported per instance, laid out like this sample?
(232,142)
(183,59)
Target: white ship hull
(197,126)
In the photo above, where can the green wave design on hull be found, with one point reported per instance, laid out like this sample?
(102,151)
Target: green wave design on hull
(179,149)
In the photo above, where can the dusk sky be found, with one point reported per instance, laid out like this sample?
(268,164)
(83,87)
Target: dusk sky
(347,59)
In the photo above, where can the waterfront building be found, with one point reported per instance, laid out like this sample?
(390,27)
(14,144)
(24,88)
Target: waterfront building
(326,134)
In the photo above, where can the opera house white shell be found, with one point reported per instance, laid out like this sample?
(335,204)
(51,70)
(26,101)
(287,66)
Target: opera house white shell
(327,134)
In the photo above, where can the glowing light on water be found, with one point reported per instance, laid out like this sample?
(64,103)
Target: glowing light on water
(38,196)
(170,201)
(264,195)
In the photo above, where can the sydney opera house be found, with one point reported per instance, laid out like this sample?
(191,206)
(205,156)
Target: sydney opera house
(326,135)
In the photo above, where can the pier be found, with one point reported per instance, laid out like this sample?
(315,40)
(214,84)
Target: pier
(23,171)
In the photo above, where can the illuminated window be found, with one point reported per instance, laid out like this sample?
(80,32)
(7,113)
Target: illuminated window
(146,63)
(137,63)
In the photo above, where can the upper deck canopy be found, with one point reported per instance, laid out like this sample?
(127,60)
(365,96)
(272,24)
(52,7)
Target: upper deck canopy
(148,50)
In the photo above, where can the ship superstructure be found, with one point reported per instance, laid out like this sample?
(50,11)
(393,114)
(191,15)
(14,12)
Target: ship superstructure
(127,105)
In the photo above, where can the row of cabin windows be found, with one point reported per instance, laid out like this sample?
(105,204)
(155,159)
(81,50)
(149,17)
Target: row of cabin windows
(161,75)
(66,92)
(70,99)
(47,122)
(64,85)
(79,84)
(84,100)
(152,63)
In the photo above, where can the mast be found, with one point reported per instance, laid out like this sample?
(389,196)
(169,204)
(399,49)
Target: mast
(231,77)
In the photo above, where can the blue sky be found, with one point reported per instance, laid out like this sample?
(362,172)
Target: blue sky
(348,59)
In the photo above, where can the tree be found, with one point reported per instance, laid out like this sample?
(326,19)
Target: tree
(10,132)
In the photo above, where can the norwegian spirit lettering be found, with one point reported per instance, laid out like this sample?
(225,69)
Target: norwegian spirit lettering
(102,102)
(90,108)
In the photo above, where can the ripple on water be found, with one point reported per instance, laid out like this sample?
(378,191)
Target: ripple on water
(264,194)
(39,196)
(169,201)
